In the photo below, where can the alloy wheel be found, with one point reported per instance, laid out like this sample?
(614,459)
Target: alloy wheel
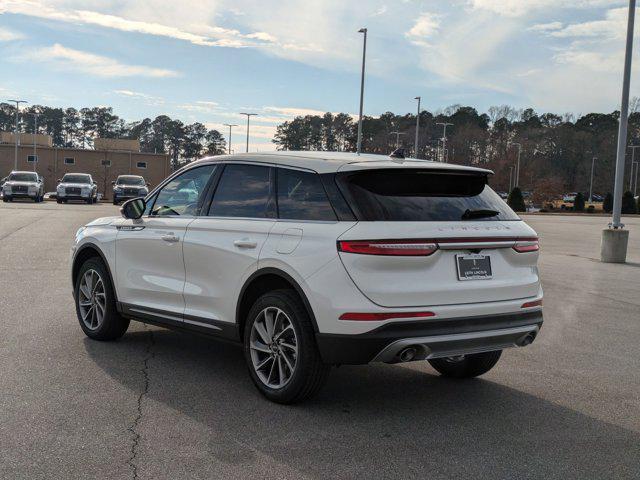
(92,299)
(273,344)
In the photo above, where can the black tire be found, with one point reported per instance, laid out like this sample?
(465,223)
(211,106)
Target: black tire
(467,367)
(113,325)
(310,374)
(115,201)
(5,199)
(58,200)
(89,201)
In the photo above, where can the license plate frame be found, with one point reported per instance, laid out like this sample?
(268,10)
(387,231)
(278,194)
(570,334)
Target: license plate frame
(473,266)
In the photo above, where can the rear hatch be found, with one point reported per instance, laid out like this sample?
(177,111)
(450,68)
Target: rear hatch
(435,237)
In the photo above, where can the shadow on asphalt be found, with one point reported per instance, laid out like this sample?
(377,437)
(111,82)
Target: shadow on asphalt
(371,421)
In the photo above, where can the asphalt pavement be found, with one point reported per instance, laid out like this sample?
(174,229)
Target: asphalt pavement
(159,404)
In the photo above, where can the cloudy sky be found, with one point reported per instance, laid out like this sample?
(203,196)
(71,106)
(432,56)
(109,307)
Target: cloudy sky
(207,60)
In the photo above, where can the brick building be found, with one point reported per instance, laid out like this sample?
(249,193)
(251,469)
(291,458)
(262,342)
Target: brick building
(110,159)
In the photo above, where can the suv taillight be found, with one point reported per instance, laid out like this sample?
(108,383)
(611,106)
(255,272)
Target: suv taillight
(403,248)
(524,245)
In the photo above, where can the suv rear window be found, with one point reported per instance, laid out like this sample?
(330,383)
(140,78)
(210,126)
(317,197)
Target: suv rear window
(420,195)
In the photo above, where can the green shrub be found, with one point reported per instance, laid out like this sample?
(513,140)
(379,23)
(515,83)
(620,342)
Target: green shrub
(578,203)
(516,201)
(607,205)
(629,203)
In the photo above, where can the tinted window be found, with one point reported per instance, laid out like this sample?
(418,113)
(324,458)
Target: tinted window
(243,191)
(184,194)
(76,179)
(23,177)
(130,180)
(423,195)
(301,196)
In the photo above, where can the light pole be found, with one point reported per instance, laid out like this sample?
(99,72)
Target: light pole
(397,134)
(416,144)
(249,115)
(444,137)
(593,162)
(16,140)
(231,125)
(633,160)
(517,183)
(510,177)
(35,132)
(615,239)
(364,55)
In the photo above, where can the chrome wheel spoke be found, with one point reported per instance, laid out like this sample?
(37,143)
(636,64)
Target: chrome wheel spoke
(262,332)
(262,364)
(260,347)
(287,361)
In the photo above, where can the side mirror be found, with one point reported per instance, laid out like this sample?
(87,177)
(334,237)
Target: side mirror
(94,182)
(148,184)
(59,180)
(133,209)
(113,182)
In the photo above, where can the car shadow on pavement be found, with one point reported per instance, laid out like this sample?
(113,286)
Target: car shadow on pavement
(378,421)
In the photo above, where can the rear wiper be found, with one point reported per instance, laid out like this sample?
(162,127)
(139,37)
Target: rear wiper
(470,214)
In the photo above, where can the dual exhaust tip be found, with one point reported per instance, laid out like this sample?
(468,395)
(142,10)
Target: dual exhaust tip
(410,353)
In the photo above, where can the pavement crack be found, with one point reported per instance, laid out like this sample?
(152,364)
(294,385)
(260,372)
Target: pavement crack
(133,428)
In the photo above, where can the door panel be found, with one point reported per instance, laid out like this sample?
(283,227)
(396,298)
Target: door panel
(219,254)
(149,262)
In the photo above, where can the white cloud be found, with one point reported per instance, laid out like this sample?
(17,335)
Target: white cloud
(293,111)
(201,106)
(518,8)
(545,27)
(613,26)
(7,35)
(148,99)
(425,27)
(89,63)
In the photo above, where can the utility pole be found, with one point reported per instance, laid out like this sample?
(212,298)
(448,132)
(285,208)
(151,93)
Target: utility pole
(416,143)
(231,125)
(364,56)
(615,239)
(397,134)
(16,140)
(249,115)
(593,162)
(444,138)
(35,132)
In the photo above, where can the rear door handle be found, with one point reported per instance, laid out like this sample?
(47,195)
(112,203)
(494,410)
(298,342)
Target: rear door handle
(245,243)
(170,238)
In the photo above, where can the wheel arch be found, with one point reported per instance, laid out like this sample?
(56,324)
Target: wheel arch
(86,251)
(262,281)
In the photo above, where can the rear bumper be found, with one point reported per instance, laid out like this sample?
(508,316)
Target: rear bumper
(432,338)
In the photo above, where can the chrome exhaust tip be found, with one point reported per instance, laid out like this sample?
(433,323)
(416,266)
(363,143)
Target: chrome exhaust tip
(527,339)
(407,354)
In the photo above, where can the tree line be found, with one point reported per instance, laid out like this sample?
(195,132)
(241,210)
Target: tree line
(556,151)
(76,128)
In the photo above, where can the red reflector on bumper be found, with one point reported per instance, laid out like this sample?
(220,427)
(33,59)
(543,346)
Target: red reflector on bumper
(535,303)
(371,317)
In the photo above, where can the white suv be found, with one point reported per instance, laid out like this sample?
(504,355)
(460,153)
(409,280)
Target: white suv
(313,259)
(77,186)
(23,185)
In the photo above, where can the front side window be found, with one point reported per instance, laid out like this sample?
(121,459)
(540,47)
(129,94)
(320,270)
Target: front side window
(184,194)
(301,196)
(422,195)
(243,191)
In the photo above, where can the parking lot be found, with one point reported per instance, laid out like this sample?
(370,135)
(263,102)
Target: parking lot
(161,404)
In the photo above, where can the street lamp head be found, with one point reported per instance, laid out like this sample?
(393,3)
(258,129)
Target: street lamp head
(362,30)
(417,98)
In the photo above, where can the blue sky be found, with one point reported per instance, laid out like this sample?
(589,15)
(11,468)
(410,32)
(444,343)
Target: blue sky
(206,61)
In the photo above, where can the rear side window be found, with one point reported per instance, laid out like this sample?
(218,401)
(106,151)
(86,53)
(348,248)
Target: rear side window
(301,196)
(243,191)
(418,195)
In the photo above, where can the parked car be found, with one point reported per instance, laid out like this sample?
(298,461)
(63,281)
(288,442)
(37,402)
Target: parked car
(570,197)
(129,186)
(77,186)
(23,185)
(313,259)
